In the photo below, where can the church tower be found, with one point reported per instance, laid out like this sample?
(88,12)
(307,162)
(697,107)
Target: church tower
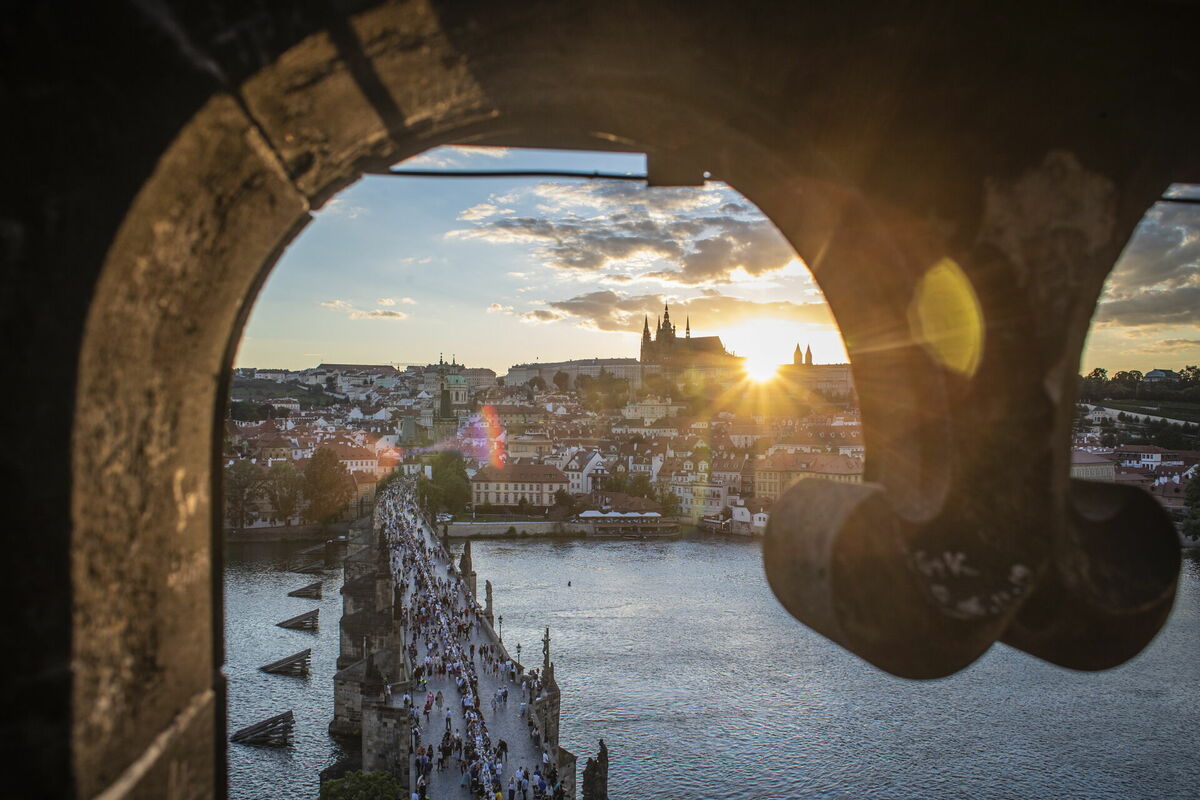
(646,345)
(797,356)
(808,355)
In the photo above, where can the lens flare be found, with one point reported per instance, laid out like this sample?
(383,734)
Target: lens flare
(494,431)
(947,319)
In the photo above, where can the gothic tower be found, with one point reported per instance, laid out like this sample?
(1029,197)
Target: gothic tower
(808,355)
(646,345)
(797,356)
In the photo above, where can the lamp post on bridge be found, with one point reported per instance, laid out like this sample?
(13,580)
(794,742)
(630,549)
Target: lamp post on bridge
(500,619)
(518,652)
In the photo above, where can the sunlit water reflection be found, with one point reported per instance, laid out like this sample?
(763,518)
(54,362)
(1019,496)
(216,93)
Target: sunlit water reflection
(677,654)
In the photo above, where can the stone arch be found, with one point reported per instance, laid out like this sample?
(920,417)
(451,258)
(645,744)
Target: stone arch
(1011,209)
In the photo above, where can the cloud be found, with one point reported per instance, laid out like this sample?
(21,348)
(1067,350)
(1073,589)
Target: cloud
(542,315)
(496,308)
(608,310)
(455,155)
(378,313)
(1170,346)
(386,301)
(357,313)
(339,206)
(626,232)
(1155,306)
(1157,279)
(482,211)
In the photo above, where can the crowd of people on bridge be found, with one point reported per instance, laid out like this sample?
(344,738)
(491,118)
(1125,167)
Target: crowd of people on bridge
(439,616)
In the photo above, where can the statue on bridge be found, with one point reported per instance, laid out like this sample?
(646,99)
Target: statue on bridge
(595,776)
(487,604)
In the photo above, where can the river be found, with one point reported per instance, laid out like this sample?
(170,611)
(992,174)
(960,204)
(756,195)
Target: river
(679,657)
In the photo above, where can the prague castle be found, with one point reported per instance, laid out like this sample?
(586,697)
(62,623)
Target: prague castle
(831,380)
(664,352)
(702,354)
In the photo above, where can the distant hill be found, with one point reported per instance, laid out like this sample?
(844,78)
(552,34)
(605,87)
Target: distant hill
(260,390)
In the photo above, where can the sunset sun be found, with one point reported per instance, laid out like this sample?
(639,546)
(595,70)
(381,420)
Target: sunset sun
(760,369)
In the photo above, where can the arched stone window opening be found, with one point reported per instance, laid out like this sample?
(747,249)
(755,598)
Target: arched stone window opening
(963,296)
(1137,423)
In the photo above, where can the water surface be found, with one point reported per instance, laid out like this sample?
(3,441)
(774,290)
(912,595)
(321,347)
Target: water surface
(678,656)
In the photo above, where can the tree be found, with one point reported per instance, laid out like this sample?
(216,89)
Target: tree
(449,489)
(562,380)
(284,489)
(566,501)
(1129,378)
(658,384)
(605,392)
(1098,374)
(243,484)
(640,486)
(670,502)
(250,411)
(536,383)
(327,486)
(363,786)
(616,482)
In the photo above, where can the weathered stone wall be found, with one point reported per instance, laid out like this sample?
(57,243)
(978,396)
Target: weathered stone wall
(347,702)
(468,530)
(387,742)
(568,766)
(546,710)
(294,533)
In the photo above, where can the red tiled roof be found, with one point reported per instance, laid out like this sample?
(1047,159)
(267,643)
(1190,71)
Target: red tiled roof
(528,473)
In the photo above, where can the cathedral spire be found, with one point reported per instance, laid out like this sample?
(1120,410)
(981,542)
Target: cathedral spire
(808,355)
(797,356)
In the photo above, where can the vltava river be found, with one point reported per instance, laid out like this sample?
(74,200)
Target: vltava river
(678,655)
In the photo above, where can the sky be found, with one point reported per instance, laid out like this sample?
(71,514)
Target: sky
(497,271)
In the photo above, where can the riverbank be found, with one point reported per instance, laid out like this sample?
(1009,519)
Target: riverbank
(1137,411)
(516,530)
(543,530)
(293,533)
